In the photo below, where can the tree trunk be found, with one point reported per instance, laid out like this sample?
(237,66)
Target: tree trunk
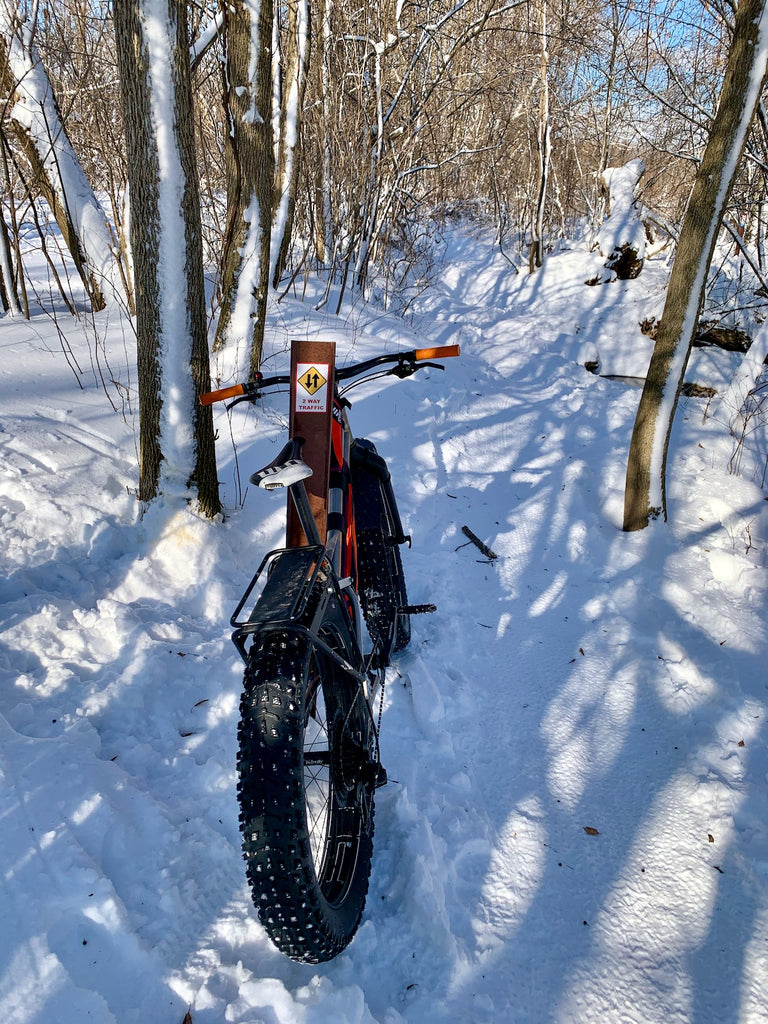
(745,72)
(176,443)
(324,231)
(543,146)
(293,70)
(10,299)
(38,126)
(250,163)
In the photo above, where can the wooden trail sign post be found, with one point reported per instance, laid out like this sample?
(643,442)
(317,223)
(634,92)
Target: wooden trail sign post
(312,385)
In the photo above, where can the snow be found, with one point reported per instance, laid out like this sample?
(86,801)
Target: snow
(253,115)
(623,226)
(239,329)
(576,823)
(208,32)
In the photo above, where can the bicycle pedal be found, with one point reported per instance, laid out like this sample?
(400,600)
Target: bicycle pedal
(418,609)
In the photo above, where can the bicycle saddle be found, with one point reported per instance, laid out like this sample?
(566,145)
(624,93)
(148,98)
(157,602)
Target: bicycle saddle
(285,469)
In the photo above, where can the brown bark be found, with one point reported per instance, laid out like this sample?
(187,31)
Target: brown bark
(714,179)
(250,164)
(146,235)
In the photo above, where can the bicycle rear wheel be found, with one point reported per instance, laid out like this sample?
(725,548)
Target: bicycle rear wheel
(306,782)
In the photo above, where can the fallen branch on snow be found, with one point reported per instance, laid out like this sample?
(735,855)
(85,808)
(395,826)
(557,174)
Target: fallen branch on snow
(478,543)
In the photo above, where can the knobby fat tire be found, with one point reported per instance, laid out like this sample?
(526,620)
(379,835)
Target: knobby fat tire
(382,587)
(309,892)
(381,580)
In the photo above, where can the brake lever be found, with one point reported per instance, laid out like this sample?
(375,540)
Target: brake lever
(407,368)
(242,398)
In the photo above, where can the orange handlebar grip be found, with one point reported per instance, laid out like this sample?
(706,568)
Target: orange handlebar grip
(441,352)
(218,396)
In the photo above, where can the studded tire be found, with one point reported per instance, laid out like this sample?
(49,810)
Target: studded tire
(306,795)
(381,580)
(382,588)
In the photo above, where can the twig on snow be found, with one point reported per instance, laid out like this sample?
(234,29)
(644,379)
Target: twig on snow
(478,543)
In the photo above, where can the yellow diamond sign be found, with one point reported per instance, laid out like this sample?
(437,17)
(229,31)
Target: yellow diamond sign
(312,380)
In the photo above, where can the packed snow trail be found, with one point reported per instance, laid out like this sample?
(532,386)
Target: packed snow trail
(575,824)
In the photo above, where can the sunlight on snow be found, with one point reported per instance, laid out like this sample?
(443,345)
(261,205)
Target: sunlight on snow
(30,982)
(86,809)
(586,723)
(755,970)
(659,911)
(681,685)
(551,597)
(514,874)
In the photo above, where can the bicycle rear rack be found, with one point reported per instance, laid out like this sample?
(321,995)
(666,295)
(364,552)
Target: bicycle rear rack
(284,603)
(284,599)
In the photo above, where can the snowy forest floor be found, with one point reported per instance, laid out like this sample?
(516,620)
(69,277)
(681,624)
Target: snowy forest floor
(576,824)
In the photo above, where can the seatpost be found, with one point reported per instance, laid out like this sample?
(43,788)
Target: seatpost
(298,492)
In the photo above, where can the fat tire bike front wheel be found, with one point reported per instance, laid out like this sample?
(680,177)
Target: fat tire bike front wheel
(381,582)
(306,783)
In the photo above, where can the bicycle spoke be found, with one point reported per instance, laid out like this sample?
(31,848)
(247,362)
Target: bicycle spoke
(317,769)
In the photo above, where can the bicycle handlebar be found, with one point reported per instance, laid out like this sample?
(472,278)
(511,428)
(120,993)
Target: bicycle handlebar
(406,363)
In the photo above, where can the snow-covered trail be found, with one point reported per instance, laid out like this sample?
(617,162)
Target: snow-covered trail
(573,685)
(575,827)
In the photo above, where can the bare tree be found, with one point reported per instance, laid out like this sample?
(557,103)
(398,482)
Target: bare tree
(176,443)
(39,128)
(745,74)
(543,142)
(291,72)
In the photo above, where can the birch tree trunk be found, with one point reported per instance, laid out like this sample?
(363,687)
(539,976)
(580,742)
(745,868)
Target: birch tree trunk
(745,72)
(176,443)
(250,168)
(39,129)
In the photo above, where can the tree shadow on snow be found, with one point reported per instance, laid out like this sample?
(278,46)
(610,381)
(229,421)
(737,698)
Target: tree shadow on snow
(589,734)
